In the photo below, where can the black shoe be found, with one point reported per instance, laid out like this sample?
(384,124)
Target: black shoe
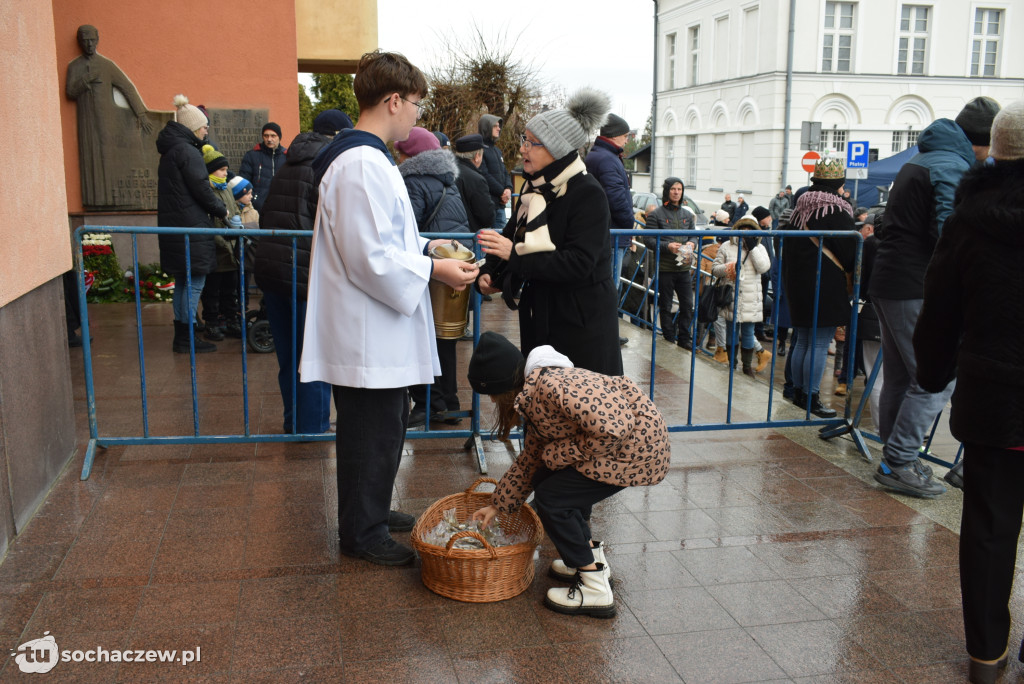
(782,350)
(685,344)
(448,418)
(486,298)
(213,333)
(180,343)
(400,522)
(233,329)
(417,417)
(908,480)
(623,341)
(955,477)
(388,552)
(986,673)
(799,398)
(670,340)
(819,409)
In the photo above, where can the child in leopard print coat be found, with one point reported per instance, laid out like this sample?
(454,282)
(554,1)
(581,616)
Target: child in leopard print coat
(586,437)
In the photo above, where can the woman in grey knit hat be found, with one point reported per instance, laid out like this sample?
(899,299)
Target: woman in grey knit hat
(552,262)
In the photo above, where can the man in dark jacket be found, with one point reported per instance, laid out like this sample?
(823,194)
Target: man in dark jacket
(673,277)
(469,154)
(604,162)
(920,201)
(261,163)
(186,200)
(741,209)
(729,206)
(290,204)
(499,182)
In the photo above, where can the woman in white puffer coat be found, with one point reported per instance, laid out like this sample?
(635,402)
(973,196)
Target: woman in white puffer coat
(754,261)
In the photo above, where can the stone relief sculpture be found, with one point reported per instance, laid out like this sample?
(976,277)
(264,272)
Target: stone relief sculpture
(115,133)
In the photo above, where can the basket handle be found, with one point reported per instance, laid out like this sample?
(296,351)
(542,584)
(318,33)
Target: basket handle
(479,481)
(470,533)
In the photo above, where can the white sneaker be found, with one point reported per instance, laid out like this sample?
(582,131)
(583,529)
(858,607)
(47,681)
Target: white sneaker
(560,571)
(590,594)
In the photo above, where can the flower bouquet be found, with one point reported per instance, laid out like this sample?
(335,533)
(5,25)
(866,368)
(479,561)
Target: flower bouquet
(154,284)
(102,269)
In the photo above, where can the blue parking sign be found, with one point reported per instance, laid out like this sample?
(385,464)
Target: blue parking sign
(857,154)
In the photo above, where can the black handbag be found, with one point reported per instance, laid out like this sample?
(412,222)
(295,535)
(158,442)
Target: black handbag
(707,307)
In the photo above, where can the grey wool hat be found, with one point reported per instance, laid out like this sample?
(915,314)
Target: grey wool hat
(1008,133)
(563,131)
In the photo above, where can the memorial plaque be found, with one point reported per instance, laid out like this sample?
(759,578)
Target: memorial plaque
(236,131)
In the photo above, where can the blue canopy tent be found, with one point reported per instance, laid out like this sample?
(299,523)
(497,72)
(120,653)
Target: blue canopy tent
(881,173)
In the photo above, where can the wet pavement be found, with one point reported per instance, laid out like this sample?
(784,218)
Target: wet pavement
(765,555)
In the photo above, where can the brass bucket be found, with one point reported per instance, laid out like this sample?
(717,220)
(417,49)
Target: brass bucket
(450,307)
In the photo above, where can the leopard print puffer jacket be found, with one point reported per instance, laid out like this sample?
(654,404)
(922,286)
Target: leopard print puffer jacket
(603,426)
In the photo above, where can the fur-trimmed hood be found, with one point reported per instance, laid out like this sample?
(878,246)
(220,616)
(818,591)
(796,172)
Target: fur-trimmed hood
(438,163)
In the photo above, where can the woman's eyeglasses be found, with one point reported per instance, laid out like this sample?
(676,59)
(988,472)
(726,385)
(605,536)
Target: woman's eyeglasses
(527,143)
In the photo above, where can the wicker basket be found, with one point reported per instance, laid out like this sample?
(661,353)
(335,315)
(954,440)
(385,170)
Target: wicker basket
(477,575)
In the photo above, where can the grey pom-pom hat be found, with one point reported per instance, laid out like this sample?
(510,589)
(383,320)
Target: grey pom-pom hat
(563,131)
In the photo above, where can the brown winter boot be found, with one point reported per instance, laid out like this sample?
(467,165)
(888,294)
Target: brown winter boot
(764,357)
(721,356)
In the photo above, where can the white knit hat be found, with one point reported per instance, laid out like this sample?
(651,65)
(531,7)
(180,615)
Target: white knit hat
(563,131)
(1008,132)
(189,116)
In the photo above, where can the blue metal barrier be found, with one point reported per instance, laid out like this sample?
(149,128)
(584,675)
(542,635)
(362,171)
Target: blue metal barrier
(473,434)
(650,290)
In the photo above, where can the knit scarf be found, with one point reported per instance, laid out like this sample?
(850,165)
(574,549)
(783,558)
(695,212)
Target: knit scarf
(815,204)
(218,182)
(532,233)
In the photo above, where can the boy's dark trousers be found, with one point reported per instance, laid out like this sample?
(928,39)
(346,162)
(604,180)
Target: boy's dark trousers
(371,432)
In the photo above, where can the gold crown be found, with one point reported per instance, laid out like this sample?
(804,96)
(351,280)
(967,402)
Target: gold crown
(830,169)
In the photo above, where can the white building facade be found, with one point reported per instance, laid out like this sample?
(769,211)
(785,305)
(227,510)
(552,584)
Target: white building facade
(875,70)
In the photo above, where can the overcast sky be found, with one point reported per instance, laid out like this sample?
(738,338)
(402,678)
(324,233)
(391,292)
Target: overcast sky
(605,44)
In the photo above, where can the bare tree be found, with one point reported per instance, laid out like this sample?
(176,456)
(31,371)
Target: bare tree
(482,76)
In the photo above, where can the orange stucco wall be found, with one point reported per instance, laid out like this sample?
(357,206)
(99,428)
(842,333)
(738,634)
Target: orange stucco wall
(223,55)
(33,208)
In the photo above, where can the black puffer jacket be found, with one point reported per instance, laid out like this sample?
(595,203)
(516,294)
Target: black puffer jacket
(429,176)
(973,312)
(493,168)
(475,197)
(185,200)
(290,205)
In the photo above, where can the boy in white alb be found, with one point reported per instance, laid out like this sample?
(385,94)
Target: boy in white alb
(369,329)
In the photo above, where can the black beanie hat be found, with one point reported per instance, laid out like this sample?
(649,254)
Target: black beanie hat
(271,126)
(614,126)
(496,365)
(976,119)
(760,213)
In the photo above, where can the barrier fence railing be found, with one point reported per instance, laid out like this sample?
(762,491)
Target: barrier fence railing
(473,435)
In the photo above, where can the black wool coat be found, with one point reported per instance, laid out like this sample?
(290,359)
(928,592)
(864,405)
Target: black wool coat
(475,196)
(973,312)
(185,200)
(568,300)
(290,205)
(799,272)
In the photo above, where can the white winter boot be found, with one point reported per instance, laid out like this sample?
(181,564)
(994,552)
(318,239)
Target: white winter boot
(590,594)
(560,571)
